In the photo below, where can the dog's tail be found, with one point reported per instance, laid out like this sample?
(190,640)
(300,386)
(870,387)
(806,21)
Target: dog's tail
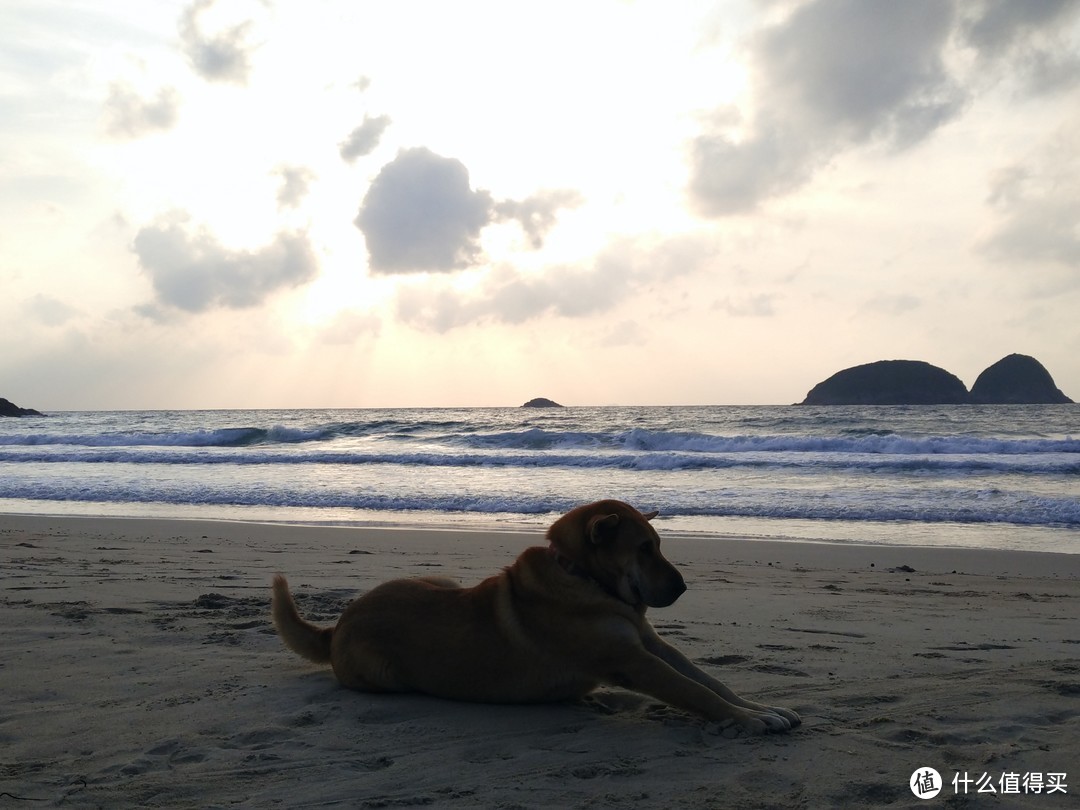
(300,636)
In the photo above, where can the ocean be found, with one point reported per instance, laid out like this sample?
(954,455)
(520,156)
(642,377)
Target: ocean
(965,475)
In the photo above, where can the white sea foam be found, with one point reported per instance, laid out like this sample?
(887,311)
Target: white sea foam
(963,466)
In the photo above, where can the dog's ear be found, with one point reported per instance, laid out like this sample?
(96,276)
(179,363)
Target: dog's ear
(650,515)
(602,528)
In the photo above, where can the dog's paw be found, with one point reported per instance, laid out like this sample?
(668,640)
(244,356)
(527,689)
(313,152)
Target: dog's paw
(752,724)
(774,723)
(792,717)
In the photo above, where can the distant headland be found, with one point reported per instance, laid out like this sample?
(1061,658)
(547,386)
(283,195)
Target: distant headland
(11,409)
(541,402)
(1013,380)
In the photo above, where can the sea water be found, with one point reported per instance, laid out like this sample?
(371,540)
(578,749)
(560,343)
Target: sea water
(980,476)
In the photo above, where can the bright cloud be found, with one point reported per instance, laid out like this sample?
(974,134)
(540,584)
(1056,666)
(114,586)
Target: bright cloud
(222,55)
(192,271)
(129,115)
(363,140)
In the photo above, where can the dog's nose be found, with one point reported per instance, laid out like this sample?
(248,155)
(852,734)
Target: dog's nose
(675,588)
(679,589)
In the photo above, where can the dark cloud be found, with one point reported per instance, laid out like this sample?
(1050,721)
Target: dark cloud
(856,68)
(537,214)
(731,176)
(837,74)
(833,74)
(224,56)
(194,272)
(994,27)
(1030,42)
(420,214)
(128,115)
(363,140)
(294,185)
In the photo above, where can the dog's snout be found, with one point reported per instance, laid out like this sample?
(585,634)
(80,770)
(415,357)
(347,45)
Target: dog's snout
(672,590)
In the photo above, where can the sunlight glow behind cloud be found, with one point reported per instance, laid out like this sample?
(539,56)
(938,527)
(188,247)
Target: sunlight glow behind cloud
(745,196)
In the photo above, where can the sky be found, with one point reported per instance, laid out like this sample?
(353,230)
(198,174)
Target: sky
(338,203)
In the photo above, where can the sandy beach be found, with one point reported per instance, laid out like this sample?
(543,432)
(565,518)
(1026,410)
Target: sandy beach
(138,668)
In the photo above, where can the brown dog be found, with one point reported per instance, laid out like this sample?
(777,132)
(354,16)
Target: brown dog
(554,625)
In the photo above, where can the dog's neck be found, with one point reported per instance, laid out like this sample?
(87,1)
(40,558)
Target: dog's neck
(569,566)
(575,570)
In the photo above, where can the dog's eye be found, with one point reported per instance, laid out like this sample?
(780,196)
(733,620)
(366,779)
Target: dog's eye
(646,549)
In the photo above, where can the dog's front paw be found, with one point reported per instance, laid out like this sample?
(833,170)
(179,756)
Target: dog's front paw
(774,722)
(792,717)
(754,724)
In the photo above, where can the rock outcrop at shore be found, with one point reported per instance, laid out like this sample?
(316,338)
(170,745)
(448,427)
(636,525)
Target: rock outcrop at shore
(1017,380)
(1013,380)
(541,402)
(8,408)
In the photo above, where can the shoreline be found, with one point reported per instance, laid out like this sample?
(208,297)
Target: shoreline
(139,668)
(776,530)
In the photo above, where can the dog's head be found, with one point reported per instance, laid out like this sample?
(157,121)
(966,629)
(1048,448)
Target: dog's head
(613,543)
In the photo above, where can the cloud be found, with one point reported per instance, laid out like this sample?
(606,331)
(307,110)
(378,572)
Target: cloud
(1038,207)
(732,177)
(994,27)
(49,310)
(838,74)
(294,185)
(420,214)
(193,272)
(224,56)
(510,296)
(363,140)
(1030,40)
(833,74)
(537,214)
(128,115)
(1037,222)
(760,305)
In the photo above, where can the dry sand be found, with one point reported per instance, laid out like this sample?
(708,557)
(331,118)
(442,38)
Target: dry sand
(138,668)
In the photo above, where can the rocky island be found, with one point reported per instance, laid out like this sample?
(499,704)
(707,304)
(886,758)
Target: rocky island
(541,402)
(1016,379)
